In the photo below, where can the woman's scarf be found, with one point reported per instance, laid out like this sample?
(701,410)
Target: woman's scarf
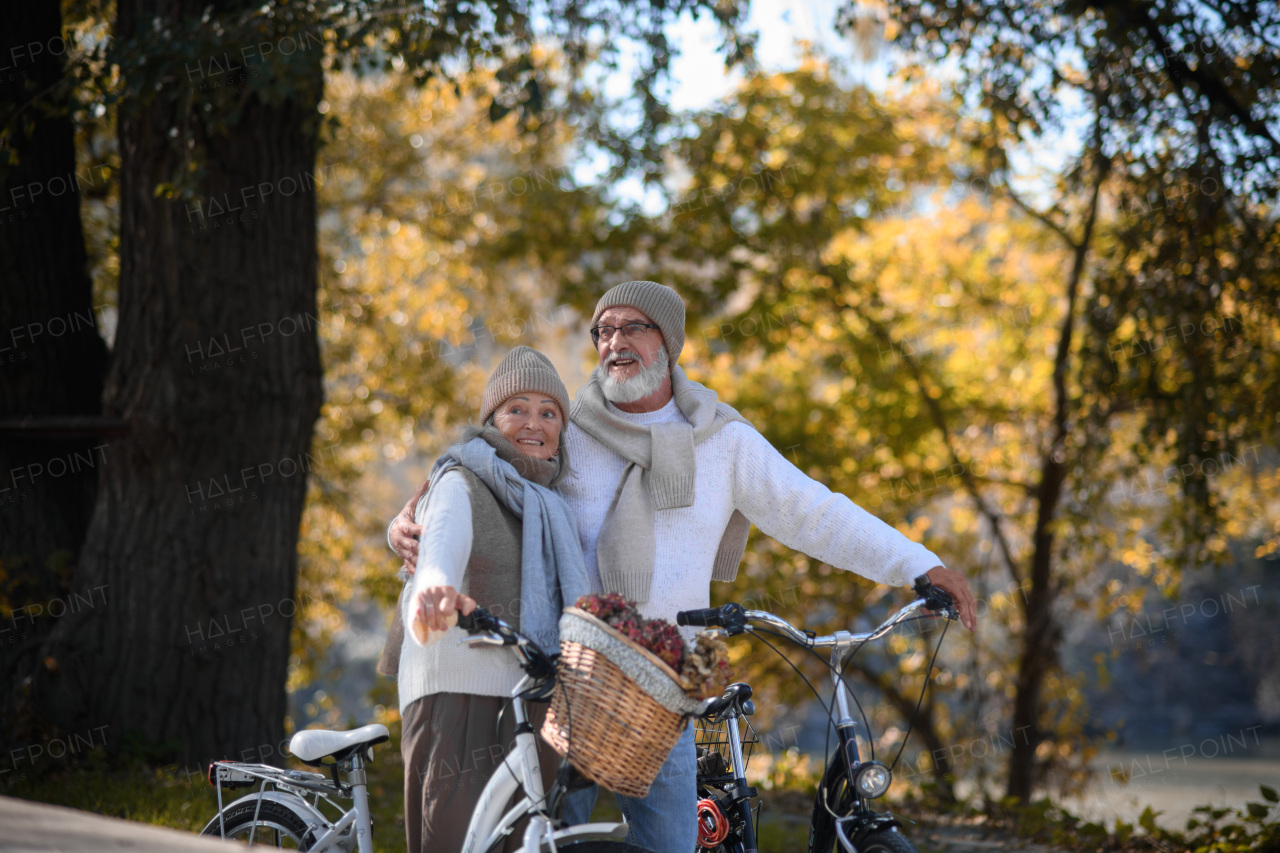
(552,571)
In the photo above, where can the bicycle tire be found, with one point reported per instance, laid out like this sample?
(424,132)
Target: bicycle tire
(598,846)
(886,841)
(276,823)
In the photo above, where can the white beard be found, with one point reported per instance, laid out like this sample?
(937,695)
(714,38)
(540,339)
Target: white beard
(644,383)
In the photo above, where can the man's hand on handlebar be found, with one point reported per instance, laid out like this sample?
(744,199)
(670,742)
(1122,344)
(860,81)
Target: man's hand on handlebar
(404,532)
(956,584)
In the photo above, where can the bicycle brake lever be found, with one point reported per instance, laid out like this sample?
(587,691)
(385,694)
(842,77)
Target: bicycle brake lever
(475,641)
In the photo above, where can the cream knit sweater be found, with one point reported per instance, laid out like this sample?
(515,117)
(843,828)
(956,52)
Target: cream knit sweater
(737,469)
(447,666)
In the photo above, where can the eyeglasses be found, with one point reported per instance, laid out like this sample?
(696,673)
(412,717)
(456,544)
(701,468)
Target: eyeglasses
(628,330)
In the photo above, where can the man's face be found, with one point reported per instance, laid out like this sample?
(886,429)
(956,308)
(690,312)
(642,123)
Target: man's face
(619,354)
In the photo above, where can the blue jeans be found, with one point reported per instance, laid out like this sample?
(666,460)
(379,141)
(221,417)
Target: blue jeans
(666,821)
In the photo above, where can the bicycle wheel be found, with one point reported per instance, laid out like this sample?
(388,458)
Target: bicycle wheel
(886,841)
(277,826)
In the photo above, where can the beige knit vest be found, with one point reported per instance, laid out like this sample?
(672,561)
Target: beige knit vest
(493,572)
(492,576)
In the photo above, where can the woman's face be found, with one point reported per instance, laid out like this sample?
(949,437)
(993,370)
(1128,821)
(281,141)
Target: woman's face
(531,421)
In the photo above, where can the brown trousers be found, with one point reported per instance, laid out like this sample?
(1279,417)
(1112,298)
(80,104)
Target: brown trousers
(450,752)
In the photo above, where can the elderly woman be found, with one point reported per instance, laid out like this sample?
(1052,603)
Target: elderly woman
(493,534)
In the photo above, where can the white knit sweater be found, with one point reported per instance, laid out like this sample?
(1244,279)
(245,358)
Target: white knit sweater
(737,469)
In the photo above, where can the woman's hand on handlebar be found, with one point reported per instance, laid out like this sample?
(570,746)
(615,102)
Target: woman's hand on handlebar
(956,584)
(435,603)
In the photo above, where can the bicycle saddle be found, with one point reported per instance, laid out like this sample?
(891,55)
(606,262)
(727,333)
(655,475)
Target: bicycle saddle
(734,695)
(313,746)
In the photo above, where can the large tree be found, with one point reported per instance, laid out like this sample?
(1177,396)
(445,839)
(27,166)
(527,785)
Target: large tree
(52,359)
(216,368)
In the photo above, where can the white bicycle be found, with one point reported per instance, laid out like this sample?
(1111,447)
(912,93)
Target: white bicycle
(285,810)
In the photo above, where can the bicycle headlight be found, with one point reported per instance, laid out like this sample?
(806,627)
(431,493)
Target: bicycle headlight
(872,779)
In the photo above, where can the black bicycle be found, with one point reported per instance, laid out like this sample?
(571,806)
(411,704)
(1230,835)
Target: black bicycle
(843,815)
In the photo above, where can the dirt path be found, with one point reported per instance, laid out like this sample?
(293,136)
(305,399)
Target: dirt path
(971,839)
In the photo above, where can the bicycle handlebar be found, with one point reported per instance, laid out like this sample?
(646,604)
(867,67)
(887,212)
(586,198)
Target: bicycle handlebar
(535,661)
(935,598)
(480,620)
(726,616)
(734,618)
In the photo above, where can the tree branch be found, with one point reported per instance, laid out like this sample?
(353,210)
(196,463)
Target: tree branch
(1040,216)
(1212,88)
(940,422)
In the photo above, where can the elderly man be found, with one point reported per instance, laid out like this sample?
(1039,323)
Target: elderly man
(666,481)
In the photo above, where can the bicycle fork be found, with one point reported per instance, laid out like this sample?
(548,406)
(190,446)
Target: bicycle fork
(860,817)
(742,793)
(845,725)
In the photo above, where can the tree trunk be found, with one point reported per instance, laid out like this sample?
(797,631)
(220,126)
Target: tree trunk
(1039,654)
(52,360)
(217,372)
(1041,639)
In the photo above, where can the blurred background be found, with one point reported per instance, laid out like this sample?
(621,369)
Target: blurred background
(1004,274)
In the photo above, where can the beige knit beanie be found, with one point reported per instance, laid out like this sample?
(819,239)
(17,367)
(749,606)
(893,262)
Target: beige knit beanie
(659,303)
(523,369)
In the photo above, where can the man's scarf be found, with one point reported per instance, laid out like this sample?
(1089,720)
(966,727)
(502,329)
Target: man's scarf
(661,474)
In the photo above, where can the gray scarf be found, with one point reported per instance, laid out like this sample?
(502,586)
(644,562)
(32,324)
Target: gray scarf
(661,475)
(552,571)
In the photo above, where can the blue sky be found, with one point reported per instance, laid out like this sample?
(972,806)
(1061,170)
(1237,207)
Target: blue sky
(783,27)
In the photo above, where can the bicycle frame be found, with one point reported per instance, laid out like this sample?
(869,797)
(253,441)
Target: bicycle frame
(291,790)
(856,819)
(861,819)
(491,820)
(488,822)
(740,783)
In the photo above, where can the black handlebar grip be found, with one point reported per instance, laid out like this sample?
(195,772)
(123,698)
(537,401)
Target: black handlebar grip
(709,616)
(936,598)
(476,621)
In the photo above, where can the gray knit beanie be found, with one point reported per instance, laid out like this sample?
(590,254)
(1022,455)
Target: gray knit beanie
(523,369)
(659,303)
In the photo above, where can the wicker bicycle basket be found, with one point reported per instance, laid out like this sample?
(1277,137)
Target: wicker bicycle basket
(617,709)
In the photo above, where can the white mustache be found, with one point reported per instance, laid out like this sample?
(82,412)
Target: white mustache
(626,353)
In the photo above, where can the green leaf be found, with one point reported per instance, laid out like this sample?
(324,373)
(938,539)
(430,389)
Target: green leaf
(1269,794)
(1258,810)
